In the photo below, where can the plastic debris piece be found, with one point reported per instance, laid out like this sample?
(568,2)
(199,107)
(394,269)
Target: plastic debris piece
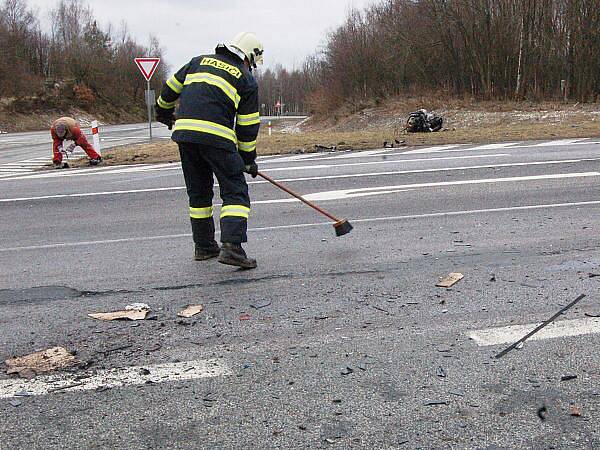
(450,280)
(568,377)
(135,311)
(575,411)
(132,314)
(41,362)
(245,317)
(191,311)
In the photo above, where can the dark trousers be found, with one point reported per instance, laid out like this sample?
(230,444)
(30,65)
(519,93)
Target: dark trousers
(200,163)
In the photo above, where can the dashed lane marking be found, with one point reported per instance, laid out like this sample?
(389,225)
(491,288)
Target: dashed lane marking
(114,378)
(302,225)
(330,195)
(511,334)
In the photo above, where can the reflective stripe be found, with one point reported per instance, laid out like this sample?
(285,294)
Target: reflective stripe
(165,105)
(175,85)
(204,126)
(235,211)
(245,120)
(246,146)
(214,80)
(201,213)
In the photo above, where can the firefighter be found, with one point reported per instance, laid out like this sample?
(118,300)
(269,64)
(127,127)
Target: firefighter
(216,128)
(67,129)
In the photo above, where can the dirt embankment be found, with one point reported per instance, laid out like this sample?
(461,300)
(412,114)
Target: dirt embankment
(464,122)
(37,113)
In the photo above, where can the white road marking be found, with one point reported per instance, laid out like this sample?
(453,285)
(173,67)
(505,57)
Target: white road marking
(511,334)
(495,146)
(303,225)
(558,143)
(111,170)
(438,148)
(330,195)
(114,378)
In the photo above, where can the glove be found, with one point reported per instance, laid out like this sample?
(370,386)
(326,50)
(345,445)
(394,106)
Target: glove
(165,116)
(252,169)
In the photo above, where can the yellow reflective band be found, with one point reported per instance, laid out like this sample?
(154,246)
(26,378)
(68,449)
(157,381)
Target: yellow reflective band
(213,80)
(246,146)
(235,211)
(245,120)
(203,126)
(165,105)
(175,85)
(201,213)
(231,70)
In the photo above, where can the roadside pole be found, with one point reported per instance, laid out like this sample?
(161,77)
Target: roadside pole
(96,136)
(148,66)
(148,101)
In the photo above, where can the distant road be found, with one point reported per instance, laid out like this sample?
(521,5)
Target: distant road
(17,147)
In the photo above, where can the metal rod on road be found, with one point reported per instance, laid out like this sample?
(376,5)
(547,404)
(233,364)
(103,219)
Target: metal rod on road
(542,325)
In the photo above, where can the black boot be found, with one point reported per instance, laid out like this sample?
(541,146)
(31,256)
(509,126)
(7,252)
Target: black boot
(234,255)
(204,253)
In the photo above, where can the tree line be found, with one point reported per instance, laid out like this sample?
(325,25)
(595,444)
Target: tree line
(480,49)
(74,63)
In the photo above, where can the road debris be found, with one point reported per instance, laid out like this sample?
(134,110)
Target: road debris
(191,311)
(41,362)
(435,403)
(260,305)
(575,411)
(441,372)
(135,311)
(450,280)
(541,412)
(245,317)
(544,324)
(568,377)
(16,403)
(347,371)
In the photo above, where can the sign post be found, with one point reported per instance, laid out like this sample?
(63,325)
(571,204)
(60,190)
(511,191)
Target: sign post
(148,66)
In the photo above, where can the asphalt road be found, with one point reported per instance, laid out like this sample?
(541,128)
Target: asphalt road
(331,342)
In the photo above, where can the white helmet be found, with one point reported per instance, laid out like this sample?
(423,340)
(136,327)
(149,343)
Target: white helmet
(250,46)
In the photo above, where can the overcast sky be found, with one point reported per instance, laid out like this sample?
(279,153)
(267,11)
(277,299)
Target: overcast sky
(290,29)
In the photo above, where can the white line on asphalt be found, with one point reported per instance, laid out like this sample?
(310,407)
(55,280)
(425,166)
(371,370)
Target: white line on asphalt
(147,168)
(438,148)
(558,143)
(511,334)
(328,195)
(305,225)
(114,378)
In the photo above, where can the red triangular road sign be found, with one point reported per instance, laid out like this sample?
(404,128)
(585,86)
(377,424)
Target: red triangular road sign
(147,66)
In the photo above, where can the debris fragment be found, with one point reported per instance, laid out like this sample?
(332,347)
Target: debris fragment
(245,317)
(594,314)
(41,362)
(493,277)
(594,275)
(347,371)
(450,280)
(575,411)
(260,305)
(435,403)
(129,313)
(541,326)
(16,403)
(542,413)
(568,377)
(441,372)
(191,311)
